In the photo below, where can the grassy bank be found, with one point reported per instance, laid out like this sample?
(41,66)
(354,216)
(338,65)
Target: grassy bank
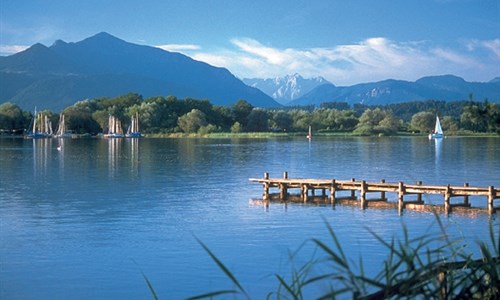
(260,135)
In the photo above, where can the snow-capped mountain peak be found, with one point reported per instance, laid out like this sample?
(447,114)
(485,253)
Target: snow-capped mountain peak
(287,88)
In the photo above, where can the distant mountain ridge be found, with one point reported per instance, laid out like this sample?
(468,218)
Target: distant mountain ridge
(444,87)
(105,66)
(286,89)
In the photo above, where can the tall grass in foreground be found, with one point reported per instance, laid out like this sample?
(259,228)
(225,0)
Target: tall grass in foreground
(425,267)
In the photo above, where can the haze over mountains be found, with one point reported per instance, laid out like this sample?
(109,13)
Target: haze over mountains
(105,66)
(57,76)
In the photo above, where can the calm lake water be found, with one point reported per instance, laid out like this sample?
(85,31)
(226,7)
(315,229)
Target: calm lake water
(86,221)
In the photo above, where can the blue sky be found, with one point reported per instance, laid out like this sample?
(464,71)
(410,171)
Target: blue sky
(345,41)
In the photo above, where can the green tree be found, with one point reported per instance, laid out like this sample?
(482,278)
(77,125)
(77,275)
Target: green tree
(281,121)
(449,124)
(236,128)
(423,121)
(101,117)
(302,119)
(474,118)
(388,125)
(347,120)
(241,110)
(12,117)
(80,120)
(368,120)
(258,120)
(192,121)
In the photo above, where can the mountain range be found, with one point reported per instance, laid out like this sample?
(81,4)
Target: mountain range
(105,66)
(443,87)
(294,90)
(288,88)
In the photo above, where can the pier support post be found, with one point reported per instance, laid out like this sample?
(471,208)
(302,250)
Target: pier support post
(305,192)
(491,197)
(362,194)
(283,191)
(419,196)
(447,196)
(382,194)
(332,192)
(284,187)
(266,191)
(266,187)
(353,192)
(401,192)
(466,197)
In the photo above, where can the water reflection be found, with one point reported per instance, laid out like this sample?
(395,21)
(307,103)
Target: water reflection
(134,157)
(96,204)
(114,146)
(438,147)
(41,155)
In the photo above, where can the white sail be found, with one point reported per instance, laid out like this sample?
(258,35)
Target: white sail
(61,129)
(42,126)
(114,127)
(133,129)
(438,128)
(438,131)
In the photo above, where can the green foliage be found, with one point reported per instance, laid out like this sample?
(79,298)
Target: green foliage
(425,267)
(258,120)
(449,124)
(241,110)
(80,120)
(281,121)
(480,117)
(423,121)
(192,121)
(377,121)
(236,128)
(13,118)
(162,114)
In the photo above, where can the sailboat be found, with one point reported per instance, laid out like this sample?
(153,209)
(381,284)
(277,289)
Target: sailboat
(133,129)
(61,130)
(438,131)
(42,126)
(114,128)
(309,135)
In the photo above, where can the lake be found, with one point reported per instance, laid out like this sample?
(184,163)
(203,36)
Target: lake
(88,220)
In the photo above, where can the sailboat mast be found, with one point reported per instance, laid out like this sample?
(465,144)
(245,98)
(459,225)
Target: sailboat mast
(136,122)
(63,125)
(34,122)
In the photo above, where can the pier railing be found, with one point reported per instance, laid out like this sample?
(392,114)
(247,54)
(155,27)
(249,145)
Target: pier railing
(308,187)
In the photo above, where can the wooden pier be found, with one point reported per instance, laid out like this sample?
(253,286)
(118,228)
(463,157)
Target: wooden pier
(308,188)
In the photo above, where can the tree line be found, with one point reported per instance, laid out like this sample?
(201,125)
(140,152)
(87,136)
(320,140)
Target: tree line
(165,115)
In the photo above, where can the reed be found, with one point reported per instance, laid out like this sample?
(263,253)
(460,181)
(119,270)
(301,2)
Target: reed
(424,267)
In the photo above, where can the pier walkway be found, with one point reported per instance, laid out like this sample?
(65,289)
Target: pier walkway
(308,188)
